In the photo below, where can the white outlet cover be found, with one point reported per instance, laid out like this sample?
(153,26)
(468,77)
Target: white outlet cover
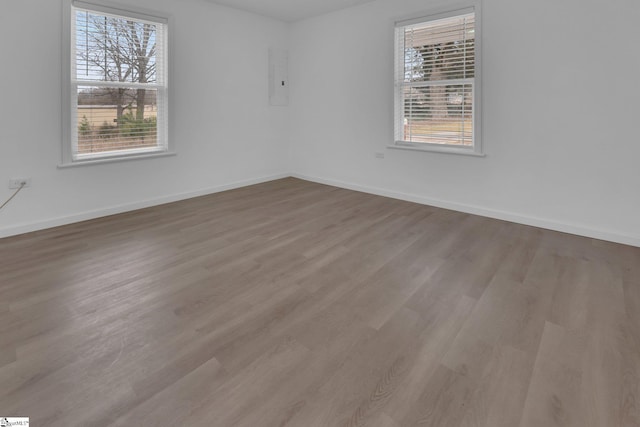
(15,183)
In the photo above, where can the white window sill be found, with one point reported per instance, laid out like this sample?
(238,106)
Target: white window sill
(433,148)
(115,159)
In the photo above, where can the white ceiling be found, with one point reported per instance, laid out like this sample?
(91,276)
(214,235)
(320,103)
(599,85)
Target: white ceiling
(290,10)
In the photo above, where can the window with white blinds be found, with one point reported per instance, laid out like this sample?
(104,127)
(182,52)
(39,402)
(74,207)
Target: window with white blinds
(118,83)
(436,82)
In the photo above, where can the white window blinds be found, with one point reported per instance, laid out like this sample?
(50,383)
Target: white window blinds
(435,81)
(118,83)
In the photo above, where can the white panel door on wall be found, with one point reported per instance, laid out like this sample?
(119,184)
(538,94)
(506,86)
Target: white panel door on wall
(278,77)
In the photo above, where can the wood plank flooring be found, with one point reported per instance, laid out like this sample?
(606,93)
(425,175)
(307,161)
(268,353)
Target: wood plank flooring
(293,304)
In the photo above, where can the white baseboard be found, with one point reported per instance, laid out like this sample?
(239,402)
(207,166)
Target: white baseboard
(99,213)
(475,210)
(486,212)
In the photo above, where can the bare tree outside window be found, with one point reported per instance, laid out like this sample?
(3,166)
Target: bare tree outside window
(437,88)
(116,60)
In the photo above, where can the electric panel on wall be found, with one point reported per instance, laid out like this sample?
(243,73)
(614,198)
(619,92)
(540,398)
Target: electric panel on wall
(278,77)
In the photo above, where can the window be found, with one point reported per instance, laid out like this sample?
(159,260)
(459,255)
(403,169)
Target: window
(436,83)
(118,92)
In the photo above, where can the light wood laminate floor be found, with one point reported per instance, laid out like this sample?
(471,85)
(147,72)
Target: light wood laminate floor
(296,304)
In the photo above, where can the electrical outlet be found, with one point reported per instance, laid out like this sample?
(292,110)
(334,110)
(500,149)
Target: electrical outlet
(379,155)
(15,183)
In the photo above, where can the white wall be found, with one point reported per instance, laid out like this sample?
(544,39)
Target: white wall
(561,114)
(560,94)
(224,129)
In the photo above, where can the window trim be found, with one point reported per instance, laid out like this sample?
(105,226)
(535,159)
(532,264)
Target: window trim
(477,150)
(68,133)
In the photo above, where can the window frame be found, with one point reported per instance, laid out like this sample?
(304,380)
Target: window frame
(165,147)
(398,111)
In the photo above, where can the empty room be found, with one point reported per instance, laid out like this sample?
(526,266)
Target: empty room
(307,213)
